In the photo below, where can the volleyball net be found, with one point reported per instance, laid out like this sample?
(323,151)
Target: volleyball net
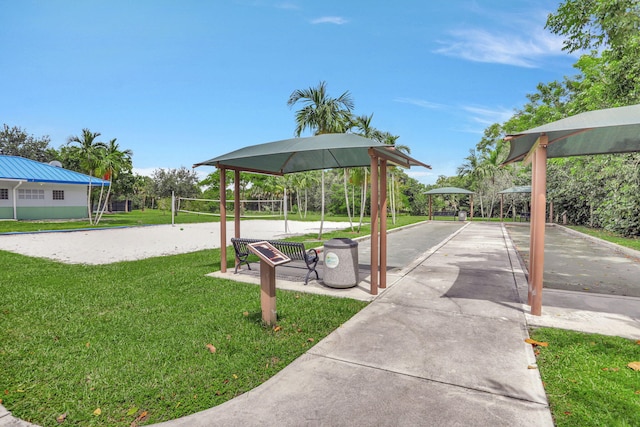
(255,208)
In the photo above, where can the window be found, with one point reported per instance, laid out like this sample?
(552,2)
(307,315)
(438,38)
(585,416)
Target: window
(4,194)
(27,194)
(58,194)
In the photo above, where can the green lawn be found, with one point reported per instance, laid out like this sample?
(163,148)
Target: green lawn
(587,378)
(132,337)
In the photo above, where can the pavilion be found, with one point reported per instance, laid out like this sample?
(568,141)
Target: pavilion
(327,151)
(608,131)
(450,190)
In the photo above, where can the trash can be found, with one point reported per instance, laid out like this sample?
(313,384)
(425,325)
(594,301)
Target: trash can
(462,216)
(341,263)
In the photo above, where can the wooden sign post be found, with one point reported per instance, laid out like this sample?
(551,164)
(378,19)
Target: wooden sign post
(270,257)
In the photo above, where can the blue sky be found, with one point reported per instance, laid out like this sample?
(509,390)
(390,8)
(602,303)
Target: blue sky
(179,82)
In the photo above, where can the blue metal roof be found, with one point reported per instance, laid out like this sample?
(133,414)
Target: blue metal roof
(19,168)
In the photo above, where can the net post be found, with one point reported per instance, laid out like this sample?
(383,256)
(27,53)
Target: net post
(173,208)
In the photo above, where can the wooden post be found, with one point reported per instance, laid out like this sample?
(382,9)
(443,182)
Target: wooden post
(539,214)
(430,216)
(501,203)
(383,223)
(236,203)
(374,224)
(223,220)
(532,235)
(471,213)
(268,293)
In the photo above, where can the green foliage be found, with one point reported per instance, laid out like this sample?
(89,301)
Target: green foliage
(183,182)
(15,141)
(597,191)
(587,380)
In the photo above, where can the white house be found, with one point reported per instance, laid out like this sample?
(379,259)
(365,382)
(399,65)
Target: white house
(34,190)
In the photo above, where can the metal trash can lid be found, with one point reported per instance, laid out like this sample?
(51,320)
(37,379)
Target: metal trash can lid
(340,243)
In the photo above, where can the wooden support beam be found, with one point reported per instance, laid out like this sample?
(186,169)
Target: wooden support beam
(383,223)
(236,203)
(223,220)
(374,224)
(538,222)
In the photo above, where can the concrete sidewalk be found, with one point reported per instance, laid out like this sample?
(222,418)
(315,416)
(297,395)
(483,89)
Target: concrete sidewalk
(443,346)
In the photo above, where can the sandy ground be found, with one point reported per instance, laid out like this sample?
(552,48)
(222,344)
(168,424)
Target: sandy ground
(126,244)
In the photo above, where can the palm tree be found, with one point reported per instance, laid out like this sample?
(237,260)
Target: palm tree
(113,162)
(321,114)
(89,151)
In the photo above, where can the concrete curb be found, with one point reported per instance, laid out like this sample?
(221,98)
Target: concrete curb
(622,249)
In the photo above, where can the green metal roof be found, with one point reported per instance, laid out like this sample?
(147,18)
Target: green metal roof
(608,131)
(327,151)
(520,189)
(449,190)
(16,168)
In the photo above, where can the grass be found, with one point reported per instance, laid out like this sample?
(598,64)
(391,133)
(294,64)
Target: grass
(632,243)
(130,338)
(587,380)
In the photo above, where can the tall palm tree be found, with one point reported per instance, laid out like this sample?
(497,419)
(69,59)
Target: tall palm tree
(321,114)
(113,162)
(89,152)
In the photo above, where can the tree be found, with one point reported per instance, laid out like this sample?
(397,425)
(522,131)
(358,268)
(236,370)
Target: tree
(89,154)
(113,162)
(181,182)
(15,141)
(611,31)
(321,114)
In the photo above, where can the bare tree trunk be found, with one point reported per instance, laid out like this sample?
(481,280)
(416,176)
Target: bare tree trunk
(305,203)
(104,206)
(97,218)
(393,200)
(322,207)
(89,203)
(363,198)
(346,198)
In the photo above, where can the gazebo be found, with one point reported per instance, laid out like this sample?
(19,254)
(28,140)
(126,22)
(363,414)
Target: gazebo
(450,190)
(327,151)
(512,190)
(608,131)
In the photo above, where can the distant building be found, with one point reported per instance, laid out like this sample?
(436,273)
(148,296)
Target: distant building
(34,190)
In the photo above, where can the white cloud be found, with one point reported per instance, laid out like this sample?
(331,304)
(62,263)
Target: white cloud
(424,176)
(144,171)
(487,116)
(507,48)
(337,20)
(420,103)
(287,6)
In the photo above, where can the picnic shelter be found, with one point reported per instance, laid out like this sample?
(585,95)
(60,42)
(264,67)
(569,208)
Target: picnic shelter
(326,151)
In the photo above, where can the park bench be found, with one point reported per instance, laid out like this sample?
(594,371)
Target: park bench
(295,251)
(525,216)
(444,213)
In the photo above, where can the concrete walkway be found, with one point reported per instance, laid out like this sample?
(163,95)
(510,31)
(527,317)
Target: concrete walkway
(444,345)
